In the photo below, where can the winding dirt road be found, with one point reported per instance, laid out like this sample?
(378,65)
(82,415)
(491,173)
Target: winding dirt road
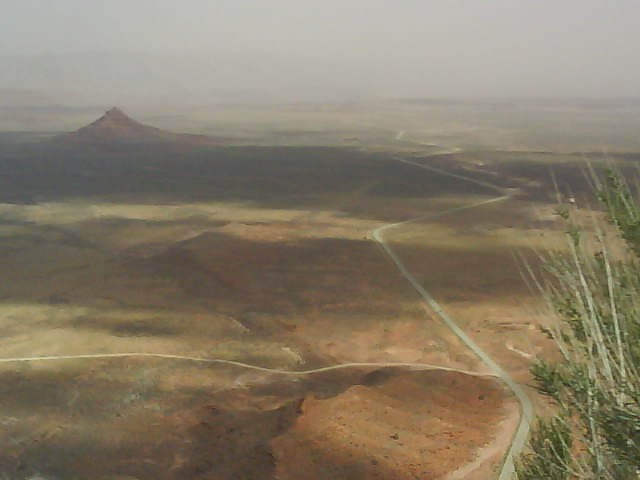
(248,366)
(519,439)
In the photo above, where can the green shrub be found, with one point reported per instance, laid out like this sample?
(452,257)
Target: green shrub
(594,291)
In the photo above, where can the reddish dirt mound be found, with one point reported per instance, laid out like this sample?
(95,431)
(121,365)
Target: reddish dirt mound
(107,424)
(416,425)
(117,128)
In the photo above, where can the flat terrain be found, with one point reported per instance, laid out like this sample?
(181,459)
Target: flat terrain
(263,255)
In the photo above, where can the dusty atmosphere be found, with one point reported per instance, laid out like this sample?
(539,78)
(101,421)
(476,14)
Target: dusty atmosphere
(292,239)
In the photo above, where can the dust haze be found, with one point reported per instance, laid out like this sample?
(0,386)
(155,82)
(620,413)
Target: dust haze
(293,239)
(211,51)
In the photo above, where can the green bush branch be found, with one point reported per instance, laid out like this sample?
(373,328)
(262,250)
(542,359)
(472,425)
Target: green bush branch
(595,297)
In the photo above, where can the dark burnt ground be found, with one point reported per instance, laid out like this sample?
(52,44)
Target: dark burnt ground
(273,177)
(281,177)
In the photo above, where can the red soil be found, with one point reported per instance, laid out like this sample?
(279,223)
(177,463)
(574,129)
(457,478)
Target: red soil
(416,425)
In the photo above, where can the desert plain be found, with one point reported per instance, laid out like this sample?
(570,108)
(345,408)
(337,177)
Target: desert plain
(150,259)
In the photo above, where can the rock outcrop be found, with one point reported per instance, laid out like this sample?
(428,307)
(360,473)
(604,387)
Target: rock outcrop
(115,128)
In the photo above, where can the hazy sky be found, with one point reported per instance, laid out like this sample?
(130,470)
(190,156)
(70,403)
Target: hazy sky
(492,47)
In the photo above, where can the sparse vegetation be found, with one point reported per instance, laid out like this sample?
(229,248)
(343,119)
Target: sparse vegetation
(594,290)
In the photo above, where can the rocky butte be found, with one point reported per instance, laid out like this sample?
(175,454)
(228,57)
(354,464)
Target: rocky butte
(115,128)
